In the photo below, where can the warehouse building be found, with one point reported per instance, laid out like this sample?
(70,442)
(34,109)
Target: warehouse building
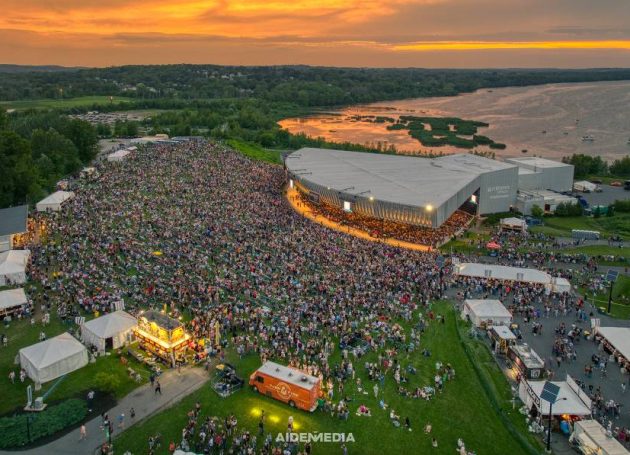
(535,173)
(411,190)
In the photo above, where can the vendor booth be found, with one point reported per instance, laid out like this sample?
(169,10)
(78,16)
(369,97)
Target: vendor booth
(486,313)
(527,362)
(572,403)
(502,338)
(162,336)
(54,202)
(110,331)
(53,358)
(11,301)
(513,224)
(13,265)
(590,438)
(616,341)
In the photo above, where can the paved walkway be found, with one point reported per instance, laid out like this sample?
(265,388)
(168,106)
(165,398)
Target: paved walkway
(175,387)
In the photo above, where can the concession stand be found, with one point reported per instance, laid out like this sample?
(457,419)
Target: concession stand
(162,336)
(616,341)
(502,338)
(527,362)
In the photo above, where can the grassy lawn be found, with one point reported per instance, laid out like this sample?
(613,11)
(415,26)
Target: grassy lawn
(462,410)
(255,151)
(620,297)
(62,103)
(619,224)
(467,244)
(22,334)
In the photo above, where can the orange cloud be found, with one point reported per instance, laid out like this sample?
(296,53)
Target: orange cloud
(490,45)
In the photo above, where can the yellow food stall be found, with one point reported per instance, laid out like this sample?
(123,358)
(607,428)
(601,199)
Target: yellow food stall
(162,336)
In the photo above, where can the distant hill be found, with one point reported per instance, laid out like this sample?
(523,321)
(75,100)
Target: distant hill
(37,68)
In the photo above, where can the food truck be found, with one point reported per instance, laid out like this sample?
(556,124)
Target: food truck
(526,361)
(287,384)
(162,336)
(502,339)
(590,438)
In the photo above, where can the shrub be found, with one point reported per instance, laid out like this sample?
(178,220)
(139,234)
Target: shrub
(48,422)
(106,382)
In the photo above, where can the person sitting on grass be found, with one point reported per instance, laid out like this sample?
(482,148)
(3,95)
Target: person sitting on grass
(395,418)
(364,411)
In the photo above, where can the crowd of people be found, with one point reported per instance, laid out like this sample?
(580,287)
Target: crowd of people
(386,229)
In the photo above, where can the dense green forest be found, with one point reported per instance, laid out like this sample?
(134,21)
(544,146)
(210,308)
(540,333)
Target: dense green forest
(36,150)
(586,165)
(37,147)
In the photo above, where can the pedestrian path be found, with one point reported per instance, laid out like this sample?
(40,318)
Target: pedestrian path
(175,386)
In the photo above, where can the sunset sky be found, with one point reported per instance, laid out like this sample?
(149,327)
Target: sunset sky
(422,33)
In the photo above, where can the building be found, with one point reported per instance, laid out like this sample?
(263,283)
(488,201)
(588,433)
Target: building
(535,173)
(545,199)
(162,336)
(411,190)
(13,222)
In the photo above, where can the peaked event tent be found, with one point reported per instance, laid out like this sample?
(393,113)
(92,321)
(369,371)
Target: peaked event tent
(109,331)
(53,358)
(483,311)
(13,266)
(53,202)
(11,298)
(117,156)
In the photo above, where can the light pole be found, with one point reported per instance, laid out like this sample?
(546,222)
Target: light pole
(549,427)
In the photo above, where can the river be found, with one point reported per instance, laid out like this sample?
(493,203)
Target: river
(546,120)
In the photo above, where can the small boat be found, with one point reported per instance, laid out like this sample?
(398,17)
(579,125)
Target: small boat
(588,138)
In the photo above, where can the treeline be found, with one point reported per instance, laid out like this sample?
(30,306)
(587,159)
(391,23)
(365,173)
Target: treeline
(36,150)
(586,165)
(300,85)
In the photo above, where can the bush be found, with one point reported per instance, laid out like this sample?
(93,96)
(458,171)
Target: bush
(46,423)
(537,211)
(622,206)
(106,382)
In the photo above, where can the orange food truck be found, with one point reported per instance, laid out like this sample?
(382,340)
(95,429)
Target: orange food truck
(287,384)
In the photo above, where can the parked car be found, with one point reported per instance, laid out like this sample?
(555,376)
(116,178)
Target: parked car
(616,183)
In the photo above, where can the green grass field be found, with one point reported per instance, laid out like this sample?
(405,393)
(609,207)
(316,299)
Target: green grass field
(619,224)
(62,103)
(462,410)
(255,151)
(620,298)
(22,334)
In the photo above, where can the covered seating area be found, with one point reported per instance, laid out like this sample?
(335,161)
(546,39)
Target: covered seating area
(13,264)
(486,313)
(12,301)
(110,331)
(54,202)
(53,358)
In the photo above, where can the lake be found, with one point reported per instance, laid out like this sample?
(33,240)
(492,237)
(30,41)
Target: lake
(546,120)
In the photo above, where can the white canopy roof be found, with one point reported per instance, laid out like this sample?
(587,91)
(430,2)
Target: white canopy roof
(618,337)
(568,401)
(513,222)
(13,266)
(54,200)
(53,358)
(111,324)
(12,298)
(502,272)
(487,309)
(504,332)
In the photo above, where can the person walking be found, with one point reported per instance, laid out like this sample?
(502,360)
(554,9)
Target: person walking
(82,433)
(375,388)
(158,387)
(132,413)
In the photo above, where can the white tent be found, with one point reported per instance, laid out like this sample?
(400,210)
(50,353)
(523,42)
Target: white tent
(518,274)
(591,438)
(13,266)
(11,299)
(53,202)
(584,186)
(560,285)
(514,224)
(53,358)
(618,338)
(571,399)
(118,155)
(491,312)
(111,330)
